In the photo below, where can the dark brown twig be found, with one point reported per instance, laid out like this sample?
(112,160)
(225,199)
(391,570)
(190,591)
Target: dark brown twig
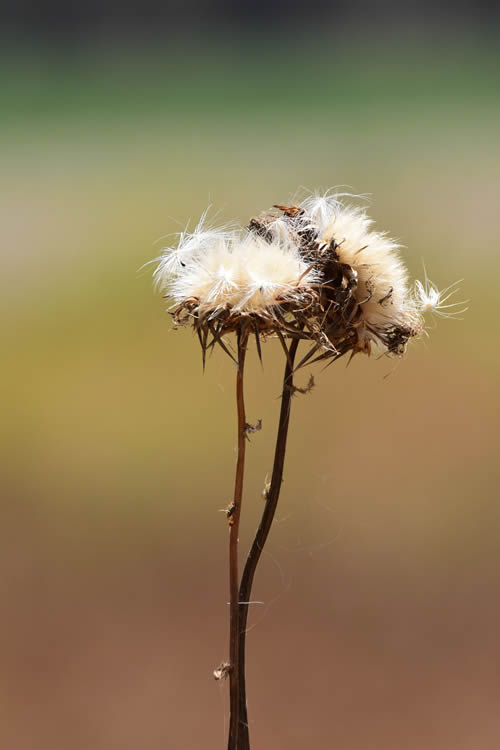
(266,521)
(234,525)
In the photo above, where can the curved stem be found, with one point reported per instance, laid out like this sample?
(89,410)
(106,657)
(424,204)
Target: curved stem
(261,537)
(234,525)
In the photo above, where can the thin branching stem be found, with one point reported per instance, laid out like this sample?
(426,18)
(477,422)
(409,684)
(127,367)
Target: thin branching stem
(234,525)
(272,497)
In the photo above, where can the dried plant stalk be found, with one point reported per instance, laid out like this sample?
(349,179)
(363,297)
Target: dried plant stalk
(271,498)
(234,526)
(317,272)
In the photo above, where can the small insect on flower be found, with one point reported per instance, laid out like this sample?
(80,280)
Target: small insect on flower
(429,299)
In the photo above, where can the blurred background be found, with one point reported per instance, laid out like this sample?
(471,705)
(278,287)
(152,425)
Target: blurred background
(380,612)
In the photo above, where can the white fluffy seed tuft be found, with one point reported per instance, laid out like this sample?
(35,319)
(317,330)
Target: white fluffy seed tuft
(428,298)
(189,246)
(235,270)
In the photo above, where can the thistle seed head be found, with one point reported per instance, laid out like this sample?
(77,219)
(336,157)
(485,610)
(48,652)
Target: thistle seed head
(316,270)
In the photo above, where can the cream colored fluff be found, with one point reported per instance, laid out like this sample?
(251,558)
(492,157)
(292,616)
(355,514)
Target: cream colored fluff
(382,289)
(237,270)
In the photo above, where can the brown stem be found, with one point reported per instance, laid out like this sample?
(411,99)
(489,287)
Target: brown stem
(234,525)
(261,537)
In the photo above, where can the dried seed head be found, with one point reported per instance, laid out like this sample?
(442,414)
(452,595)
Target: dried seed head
(316,271)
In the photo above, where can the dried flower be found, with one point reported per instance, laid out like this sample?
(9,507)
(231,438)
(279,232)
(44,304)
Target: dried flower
(316,270)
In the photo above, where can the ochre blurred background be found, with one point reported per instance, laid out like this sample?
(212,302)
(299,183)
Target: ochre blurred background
(380,609)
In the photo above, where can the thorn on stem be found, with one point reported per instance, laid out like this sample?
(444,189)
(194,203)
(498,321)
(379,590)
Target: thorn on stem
(230,512)
(251,428)
(222,671)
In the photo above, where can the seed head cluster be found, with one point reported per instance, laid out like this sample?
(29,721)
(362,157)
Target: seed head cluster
(316,271)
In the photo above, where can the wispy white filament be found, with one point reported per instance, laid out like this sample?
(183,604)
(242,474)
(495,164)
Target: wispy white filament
(430,299)
(189,246)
